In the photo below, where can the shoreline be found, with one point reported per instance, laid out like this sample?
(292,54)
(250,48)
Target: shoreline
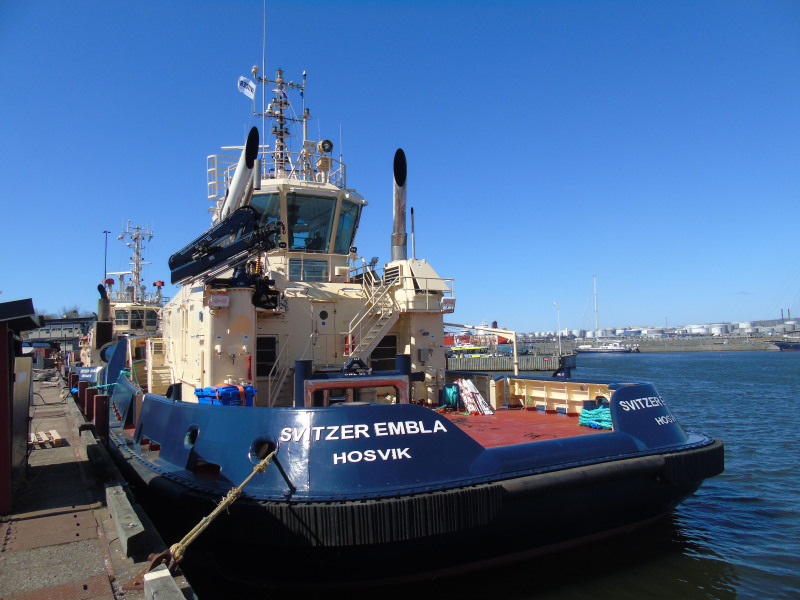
(704,344)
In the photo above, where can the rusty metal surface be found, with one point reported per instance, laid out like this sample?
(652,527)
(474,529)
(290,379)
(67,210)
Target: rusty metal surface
(24,534)
(92,588)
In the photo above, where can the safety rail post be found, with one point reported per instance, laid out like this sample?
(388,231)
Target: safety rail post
(82,385)
(278,373)
(100,409)
(302,371)
(88,401)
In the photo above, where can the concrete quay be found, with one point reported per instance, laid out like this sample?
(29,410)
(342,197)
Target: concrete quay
(74,530)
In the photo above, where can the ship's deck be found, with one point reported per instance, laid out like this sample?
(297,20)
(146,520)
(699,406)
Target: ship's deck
(511,426)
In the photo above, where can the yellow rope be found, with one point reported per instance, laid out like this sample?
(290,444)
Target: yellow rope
(178,550)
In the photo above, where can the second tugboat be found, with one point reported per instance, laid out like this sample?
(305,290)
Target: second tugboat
(284,345)
(129,312)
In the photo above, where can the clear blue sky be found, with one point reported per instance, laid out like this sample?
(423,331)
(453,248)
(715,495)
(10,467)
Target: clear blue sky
(654,144)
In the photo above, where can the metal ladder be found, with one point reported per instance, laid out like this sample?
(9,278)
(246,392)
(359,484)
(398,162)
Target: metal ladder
(373,321)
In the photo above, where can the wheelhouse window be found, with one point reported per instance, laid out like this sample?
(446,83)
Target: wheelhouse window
(268,207)
(137,318)
(151,318)
(121,317)
(309,222)
(346,227)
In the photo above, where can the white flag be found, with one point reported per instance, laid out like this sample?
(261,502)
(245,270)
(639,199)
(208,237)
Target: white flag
(247,87)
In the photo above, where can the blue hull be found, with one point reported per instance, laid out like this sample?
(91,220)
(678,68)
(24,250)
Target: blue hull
(377,483)
(788,346)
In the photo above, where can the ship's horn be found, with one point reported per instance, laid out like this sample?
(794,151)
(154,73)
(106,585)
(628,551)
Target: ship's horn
(242,175)
(399,237)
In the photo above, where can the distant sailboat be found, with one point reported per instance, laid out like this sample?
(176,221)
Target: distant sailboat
(610,347)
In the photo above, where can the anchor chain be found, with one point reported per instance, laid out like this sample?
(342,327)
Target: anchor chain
(174,555)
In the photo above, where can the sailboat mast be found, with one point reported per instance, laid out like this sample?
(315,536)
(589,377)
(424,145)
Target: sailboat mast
(595,306)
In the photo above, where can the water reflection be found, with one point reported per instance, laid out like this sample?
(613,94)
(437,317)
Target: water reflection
(658,561)
(738,537)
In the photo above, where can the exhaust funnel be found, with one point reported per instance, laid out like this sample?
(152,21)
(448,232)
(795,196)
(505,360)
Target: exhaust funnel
(399,237)
(242,181)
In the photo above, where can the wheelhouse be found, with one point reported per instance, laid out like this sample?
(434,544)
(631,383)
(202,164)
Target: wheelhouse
(317,223)
(135,318)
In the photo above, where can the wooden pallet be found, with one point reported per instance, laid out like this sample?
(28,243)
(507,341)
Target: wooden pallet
(45,438)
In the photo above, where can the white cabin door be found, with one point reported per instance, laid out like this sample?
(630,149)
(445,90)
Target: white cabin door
(327,351)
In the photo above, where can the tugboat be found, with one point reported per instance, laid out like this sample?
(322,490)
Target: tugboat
(130,312)
(309,389)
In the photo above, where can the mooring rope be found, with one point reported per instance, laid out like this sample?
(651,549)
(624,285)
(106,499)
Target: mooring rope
(177,551)
(599,418)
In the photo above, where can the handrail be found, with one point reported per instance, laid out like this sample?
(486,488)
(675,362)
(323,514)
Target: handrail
(281,368)
(359,321)
(278,367)
(304,353)
(302,166)
(446,293)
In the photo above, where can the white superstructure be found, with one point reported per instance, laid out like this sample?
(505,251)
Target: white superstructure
(279,279)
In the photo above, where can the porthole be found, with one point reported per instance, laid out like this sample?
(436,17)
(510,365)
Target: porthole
(260,449)
(191,436)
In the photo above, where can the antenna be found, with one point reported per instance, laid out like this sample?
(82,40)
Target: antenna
(413,243)
(277,111)
(305,110)
(264,70)
(595,306)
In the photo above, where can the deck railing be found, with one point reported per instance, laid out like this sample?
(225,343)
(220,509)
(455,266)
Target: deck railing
(301,166)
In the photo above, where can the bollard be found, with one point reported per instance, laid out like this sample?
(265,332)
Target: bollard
(89,405)
(81,385)
(101,416)
(88,402)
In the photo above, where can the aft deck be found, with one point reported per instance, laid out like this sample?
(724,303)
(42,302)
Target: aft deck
(518,426)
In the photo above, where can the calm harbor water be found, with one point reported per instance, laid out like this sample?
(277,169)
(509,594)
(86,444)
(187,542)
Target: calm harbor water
(737,537)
